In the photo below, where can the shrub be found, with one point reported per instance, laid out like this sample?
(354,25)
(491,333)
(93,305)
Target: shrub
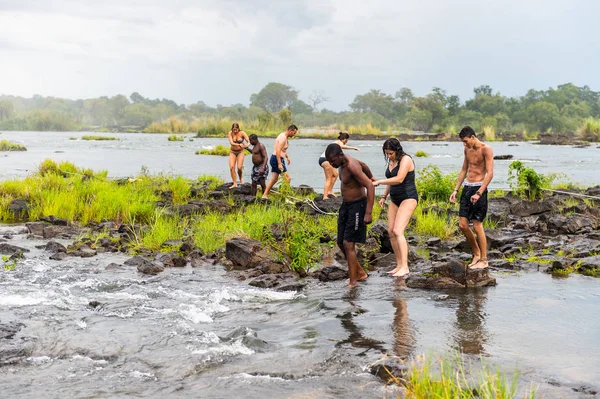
(174,137)
(432,184)
(218,150)
(421,154)
(526,182)
(6,145)
(98,138)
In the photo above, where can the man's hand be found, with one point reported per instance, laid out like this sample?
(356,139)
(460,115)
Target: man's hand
(474,198)
(288,159)
(373,179)
(368,218)
(382,202)
(453,196)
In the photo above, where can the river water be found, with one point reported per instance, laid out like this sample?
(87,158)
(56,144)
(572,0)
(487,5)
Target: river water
(127,156)
(196,332)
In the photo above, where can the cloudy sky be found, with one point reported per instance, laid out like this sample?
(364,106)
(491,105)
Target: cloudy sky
(222,51)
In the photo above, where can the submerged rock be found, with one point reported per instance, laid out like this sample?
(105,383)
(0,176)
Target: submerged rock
(451,274)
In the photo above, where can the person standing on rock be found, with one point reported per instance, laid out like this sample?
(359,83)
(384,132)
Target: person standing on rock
(279,157)
(477,172)
(236,139)
(400,182)
(260,170)
(356,210)
(331,173)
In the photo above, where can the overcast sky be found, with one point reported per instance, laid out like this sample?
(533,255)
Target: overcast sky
(222,51)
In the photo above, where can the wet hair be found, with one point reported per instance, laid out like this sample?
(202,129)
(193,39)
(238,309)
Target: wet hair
(333,150)
(235,126)
(466,131)
(393,144)
(253,136)
(292,127)
(343,136)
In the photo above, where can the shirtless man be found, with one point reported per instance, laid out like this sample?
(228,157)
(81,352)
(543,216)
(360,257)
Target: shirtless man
(358,195)
(478,168)
(260,170)
(279,157)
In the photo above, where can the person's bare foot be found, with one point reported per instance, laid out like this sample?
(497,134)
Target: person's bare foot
(263,197)
(233,186)
(325,198)
(332,195)
(363,277)
(394,270)
(475,260)
(352,284)
(480,264)
(241,181)
(402,272)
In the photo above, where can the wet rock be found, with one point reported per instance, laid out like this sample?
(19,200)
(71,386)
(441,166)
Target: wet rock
(8,249)
(55,221)
(242,189)
(269,280)
(171,243)
(150,267)
(503,157)
(304,190)
(527,208)
(367,252)
(85,252)
(247,337)
(52,246)
(171,259)
(94,304)
(379,231)
(244,199)
(59,256)
(572,224)
(271,267)
(136,261)
(36,228)
(213,194)
(330,205)
(451,274)
(58,231)
(384,261)
(582,247)
(292,286)
(390,369)
(433,242)
(590,265)
(113,266)
(245,253)
(19,208)
(499,238)
(504,264)
(196,258)
(331,273)
(499,210)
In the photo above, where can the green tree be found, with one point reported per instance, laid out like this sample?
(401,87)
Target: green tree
(419,119)
(544,116)
(483,89)
(374,101)
(274,97)
(6,109)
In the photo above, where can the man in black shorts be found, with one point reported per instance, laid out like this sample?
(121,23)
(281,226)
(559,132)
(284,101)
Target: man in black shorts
(355,213)
(478,169)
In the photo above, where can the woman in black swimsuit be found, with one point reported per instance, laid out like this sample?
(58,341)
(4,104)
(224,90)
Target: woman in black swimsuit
(236,155)
(400,182)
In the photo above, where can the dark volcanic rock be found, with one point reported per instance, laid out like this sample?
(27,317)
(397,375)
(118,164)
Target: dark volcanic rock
(19,208)
(528,208)
(331,273)
(36,228)
(379,231)
(150,267)
(8,249)
(55,221)
(451,274)
(304,190)
(572,224)
(245,253)
(171,259)
(53,246)
(502,157)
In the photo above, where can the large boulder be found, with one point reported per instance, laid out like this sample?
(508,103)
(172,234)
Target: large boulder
(8,249)
(379,231)
(245,253)
(452,273)
(331,273)
(527,208)
(572,224)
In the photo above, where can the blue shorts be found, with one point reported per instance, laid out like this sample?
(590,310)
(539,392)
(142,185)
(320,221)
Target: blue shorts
(275,167)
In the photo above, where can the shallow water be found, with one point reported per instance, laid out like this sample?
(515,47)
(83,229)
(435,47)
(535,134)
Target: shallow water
(167,335)
(127,156)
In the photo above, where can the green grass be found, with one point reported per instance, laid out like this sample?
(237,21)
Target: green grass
(174,137)
(448,378)
(6,145)
(433,224)
(590,130)
(421,154)
(218,150)
(99,138)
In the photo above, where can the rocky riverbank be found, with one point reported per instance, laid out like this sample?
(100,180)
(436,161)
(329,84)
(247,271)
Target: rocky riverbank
(559,235)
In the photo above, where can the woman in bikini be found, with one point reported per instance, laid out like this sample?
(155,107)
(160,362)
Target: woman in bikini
(237,138)
(331,173)
(400,186)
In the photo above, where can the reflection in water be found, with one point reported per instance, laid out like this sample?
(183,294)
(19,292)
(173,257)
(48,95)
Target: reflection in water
(470,333)
(356,338)
(404,337)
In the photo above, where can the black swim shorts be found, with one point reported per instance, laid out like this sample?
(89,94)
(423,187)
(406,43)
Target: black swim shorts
(321,160)
(473,211)
(351,222)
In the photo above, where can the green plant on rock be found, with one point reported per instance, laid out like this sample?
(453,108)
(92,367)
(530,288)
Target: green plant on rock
(10,262)
(525,182)
(434,185)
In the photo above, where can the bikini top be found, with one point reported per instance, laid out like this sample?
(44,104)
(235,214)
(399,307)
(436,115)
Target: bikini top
(239,141)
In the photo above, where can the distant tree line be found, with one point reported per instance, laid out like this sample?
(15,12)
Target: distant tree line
(564,109)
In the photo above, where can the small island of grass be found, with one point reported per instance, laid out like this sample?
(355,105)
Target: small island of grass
(98,138)
(421,154)
(174,137)
(6,145)
(218,150)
